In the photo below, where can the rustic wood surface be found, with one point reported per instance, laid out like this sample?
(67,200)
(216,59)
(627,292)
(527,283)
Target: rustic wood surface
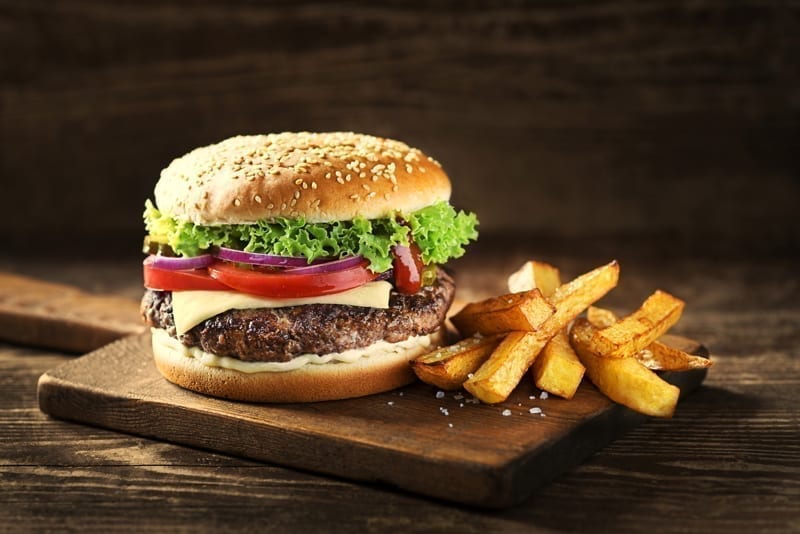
(730,459)
(403,438)
(62,317)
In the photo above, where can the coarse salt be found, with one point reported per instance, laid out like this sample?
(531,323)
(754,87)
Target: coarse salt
(440,394)
(506,412)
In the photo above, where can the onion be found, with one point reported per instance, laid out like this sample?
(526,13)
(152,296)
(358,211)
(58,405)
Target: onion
(178,264)
(257,258)
(329,266)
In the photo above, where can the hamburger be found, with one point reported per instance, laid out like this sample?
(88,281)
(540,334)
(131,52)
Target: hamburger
(298,267)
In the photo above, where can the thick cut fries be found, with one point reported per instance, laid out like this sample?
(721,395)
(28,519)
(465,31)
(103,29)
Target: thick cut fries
(448,367)
(535,274)
(623,380)
(656,356)
(627,337)
(500,374)
(557,369)
(504,364)
(515,311)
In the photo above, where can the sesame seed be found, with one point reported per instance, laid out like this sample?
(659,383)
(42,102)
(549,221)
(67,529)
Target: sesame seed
(270,205)
(313,185)
(370,195)
(328,175)
(386,196)
(296,195)
(422,169)
(340,180)
(365,187)
(294,201)
(257,198)
(395,188)
(354,197)
(298,181)
(348,177)
(409,168)
(305,185)
(237,202)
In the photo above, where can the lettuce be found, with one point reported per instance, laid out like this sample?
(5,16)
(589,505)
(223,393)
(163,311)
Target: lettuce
(438,230)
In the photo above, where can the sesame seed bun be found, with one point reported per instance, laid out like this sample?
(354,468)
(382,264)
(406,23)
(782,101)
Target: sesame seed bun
(321,177)
(335,380)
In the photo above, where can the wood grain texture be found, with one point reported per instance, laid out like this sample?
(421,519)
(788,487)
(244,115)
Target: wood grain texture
(607,117)
(62,317)
(727,461)
(446,448)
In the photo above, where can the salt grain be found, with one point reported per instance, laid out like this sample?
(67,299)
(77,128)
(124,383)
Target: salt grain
(543,395)
(535,409)
(506,412)
(440,394)
(390,403)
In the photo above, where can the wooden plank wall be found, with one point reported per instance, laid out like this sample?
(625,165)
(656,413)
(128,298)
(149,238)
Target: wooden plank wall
(567,120)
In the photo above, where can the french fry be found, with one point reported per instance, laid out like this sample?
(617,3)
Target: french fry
(656,356)
(623,380)
(448,367)
(600,317)
(500,374)
(535,274)
(504,364)
(557,369)
(660,357)
(627,337)
(515,311)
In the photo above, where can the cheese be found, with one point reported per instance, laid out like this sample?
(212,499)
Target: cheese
(418,344)
(190,308)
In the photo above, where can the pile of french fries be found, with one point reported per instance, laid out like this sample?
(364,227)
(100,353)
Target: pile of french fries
(536,328)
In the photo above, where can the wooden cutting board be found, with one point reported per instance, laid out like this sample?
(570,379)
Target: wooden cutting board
(62,317)
(409,438)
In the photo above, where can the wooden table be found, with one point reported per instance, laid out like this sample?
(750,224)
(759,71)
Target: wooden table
(729,460)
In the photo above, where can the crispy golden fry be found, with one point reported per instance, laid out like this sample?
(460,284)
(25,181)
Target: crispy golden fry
(656,356)
(516,311)
(623,380)
(502,371)
(660,357)
(557,369)
(627,337)
(601,317)
(448,367)
(535,274)
(500,374)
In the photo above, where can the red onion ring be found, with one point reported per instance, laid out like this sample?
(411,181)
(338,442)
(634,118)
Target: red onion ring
(257,258)
(328,267)
(179,264)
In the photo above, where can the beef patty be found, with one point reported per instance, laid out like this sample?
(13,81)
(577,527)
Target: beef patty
(280,334)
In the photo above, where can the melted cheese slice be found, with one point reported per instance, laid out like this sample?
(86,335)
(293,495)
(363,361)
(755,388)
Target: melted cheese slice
(191,308)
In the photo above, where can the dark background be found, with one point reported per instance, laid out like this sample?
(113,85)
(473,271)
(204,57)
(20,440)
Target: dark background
(667,126)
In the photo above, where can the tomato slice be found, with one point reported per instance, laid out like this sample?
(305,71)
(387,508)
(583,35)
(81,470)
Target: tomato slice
(284,284)
(179,280)
(408,267)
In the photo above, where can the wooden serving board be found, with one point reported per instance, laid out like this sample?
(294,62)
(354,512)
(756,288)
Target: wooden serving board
(408,438)
(62,317)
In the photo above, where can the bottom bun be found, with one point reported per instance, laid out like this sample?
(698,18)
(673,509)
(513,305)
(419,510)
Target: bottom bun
(312,382)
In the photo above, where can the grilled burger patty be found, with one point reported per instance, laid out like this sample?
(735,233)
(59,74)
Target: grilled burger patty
(280,334)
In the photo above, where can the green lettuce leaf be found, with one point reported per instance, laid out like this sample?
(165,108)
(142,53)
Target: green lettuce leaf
(439,230)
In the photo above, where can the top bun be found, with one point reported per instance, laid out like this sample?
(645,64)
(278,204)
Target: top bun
(321,177)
